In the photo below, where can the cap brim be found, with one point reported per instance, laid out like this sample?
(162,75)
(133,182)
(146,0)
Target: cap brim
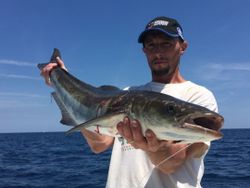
(144,33)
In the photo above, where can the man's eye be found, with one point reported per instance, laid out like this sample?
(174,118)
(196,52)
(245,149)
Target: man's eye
(166,44)
(150,46)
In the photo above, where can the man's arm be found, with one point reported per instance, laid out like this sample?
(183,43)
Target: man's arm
(158,150)
(97,143)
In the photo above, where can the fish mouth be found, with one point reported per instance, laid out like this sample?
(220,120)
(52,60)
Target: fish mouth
(209,122)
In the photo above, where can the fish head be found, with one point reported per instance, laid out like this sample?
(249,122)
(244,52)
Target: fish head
(185,120)
(187,113)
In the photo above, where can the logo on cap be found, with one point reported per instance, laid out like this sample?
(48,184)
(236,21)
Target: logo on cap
(180,32)
(158,23)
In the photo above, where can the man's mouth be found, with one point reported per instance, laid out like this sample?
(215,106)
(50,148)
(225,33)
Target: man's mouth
(159,62)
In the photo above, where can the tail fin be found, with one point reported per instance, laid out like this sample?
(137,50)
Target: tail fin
(56,53)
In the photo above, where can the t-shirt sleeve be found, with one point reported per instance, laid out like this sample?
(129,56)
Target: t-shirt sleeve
(203,97)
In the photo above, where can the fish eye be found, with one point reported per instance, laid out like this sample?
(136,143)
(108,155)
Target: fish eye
(171,108)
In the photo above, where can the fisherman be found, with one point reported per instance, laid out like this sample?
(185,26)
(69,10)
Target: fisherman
(139,161)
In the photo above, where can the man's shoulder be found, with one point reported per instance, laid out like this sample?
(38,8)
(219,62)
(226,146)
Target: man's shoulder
(196,89)
(201,95)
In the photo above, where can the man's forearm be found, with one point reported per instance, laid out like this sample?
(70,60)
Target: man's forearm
(98,143)
(169,158)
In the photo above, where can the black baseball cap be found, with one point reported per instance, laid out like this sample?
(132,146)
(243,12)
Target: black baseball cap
(168,26)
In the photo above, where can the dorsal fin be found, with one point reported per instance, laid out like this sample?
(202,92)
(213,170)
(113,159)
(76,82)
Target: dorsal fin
(109,88)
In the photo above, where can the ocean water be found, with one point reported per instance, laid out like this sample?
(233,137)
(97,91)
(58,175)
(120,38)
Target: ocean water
(54,160)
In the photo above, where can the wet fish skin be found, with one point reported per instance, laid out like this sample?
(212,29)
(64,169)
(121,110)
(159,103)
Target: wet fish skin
(99,109)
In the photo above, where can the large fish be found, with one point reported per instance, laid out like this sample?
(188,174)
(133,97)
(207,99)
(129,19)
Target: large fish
(99,109)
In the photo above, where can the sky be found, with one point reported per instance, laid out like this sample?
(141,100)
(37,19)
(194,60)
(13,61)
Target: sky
(98,43)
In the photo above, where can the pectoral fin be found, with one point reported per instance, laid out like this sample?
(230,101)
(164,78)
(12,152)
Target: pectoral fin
(105,124)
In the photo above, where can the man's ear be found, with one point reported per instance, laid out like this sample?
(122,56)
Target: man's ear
(184,46)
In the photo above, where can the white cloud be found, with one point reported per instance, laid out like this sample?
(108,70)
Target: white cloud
(17,63)
(21,100)
(15,103)
(230,66)
(222,72)
(16,76)
(13,94)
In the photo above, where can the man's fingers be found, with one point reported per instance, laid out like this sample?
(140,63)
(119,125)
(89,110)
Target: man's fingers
(45,72)
(60,63)
(137,132)
(153,142)
(131,130)
(120,128)
(127,133)
(123,128)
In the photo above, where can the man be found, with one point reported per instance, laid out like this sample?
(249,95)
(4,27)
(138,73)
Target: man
(139,161)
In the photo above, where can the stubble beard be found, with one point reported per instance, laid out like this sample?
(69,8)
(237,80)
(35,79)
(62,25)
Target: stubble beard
(166,71)
(162,72)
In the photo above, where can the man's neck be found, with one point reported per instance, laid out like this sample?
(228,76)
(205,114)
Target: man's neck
(167,79)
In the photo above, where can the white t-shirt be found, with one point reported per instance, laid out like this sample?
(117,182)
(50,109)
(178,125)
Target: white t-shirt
(132,168)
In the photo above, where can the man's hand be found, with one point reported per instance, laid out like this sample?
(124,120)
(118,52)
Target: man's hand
(157,150)
(132,132)
(45,72)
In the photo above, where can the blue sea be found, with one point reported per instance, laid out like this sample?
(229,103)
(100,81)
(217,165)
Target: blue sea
(54,160)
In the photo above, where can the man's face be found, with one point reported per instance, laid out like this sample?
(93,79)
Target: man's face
(163,53)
